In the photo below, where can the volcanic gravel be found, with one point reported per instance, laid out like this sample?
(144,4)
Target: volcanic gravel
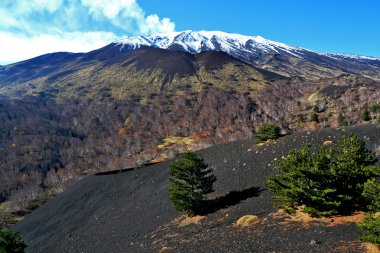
(130,211)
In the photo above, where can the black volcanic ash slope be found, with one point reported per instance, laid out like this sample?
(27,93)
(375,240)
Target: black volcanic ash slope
(130,211)
(140,72)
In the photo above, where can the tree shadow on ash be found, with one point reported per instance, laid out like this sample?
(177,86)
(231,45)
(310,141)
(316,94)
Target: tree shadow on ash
(230,199)
(113,172)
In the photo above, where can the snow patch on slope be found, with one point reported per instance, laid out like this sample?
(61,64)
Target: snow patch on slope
(350,57)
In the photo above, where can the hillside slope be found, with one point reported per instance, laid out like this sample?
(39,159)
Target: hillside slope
(110,73)
(291,61)
(130,211)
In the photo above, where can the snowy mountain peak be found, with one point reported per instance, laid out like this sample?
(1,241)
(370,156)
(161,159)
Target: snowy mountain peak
(196,42)
(239,46)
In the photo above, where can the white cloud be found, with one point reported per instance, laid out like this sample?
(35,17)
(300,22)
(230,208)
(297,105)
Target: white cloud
(34,27)
(122,12)
(111,8)
(155,24)
(15,48)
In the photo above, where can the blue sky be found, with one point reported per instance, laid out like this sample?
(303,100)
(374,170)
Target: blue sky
(33,27)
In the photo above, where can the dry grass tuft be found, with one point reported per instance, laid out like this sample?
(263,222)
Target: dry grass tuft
(201,135)
(331,221)
(172,141)
(122,131)
(159,159)
(371,248)
(302,217)
(166,250)
(313,125)
(247,220)
(355,217)
(190,220)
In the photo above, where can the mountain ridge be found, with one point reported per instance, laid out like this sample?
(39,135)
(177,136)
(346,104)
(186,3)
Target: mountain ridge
(159,39)
(290,61)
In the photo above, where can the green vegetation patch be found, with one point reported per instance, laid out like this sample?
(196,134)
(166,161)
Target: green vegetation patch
(328,181)
(370,228)
(267,132)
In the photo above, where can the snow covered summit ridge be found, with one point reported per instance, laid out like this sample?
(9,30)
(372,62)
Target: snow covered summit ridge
(240,46)
(196,42)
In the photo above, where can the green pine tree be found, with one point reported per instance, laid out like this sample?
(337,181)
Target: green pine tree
(314,117)
(268,132)
(353,166)
(11,242)
(190,182)
(342,120)
(366,114)
(331,180)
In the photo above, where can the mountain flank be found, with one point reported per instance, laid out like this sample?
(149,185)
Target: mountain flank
(141,72)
